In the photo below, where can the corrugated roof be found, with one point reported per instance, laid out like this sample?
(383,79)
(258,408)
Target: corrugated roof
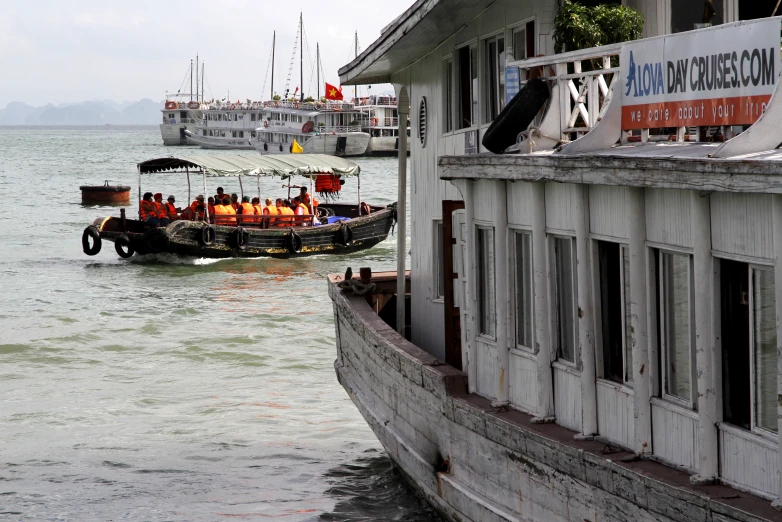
(254,164)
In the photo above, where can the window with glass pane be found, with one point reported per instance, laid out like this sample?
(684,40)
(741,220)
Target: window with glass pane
(677,324)
(614,293)
(765,349)
(524,310)
(439,290)
(564,298)
(486,289)
(464,98)
(448,95)
(520,43)
(494,78)
(687,15)
(474,85)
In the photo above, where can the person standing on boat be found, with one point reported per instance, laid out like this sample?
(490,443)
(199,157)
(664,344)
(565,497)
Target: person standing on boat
(147,211)
(172,211)
(247,210)
(160,210)
(220,195)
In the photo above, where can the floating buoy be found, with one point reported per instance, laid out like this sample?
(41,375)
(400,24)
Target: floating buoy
(105,193)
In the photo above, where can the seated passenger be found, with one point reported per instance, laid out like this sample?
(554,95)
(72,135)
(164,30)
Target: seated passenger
(172,212)
(235,202)
(211,208)
(196,210)
(299,208)
(284,208)
(229,209)
(221,213)
(247,210)
(304,197)
(160,210)
(257,210)
(146,210)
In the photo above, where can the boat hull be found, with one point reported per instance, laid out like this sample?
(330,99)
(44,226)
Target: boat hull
(383,146)
(475,462)
(184,238)
(206,142)
(173,134)
(356,144)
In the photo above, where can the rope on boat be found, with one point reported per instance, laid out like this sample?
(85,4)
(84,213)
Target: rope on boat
(357,287)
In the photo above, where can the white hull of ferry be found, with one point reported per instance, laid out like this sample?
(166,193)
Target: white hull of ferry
(356,145)
(208,142)
(173,133)
(383,145)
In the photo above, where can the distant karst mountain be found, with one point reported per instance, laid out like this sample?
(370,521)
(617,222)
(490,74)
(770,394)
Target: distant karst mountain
(143,112)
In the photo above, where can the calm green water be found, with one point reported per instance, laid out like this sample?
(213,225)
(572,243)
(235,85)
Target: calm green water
(170,388)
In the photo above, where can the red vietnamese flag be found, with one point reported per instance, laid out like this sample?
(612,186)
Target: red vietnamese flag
(332,93)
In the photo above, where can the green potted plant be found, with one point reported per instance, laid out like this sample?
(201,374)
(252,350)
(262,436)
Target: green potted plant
(580,27)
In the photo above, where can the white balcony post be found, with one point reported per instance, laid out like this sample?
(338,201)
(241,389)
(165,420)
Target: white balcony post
(586,334)
(401,210)
(545,378)
(704,338)
(502,293)
(641,370)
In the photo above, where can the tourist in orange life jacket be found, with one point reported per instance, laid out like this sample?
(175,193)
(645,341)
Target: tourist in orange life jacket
(300,209)
(146,210)
(220,195)
(270,210)
(220,212)
(283,209)
(160,210)
(304,197)
(235,202)
(211,206)
(171,210)
(229,209)
(196,209)
(257,210)
(247,210)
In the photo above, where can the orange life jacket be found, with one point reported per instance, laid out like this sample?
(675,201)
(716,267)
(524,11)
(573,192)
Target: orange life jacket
(257,210)
(236,205)
(302,210)
(171,210)
(284,222)
(160,209)
(232,212)
(219,212)
(248,211)
(146,209)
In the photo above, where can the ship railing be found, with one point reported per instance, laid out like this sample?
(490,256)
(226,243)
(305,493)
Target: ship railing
(284,104)
(178,120)
(337,129)
(384,101)
(582,86)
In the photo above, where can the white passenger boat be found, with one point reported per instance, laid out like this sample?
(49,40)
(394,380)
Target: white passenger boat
(181,111)
(380,119)
(590,329)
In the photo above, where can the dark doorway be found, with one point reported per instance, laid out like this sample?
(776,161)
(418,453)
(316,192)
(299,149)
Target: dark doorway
(735,324)
(753,9)
(342,144)
(453,326)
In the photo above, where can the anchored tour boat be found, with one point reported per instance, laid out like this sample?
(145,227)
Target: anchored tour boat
(590,329)
(333,228)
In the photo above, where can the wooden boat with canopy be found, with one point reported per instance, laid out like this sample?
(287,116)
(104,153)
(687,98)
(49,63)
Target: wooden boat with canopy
(334,228)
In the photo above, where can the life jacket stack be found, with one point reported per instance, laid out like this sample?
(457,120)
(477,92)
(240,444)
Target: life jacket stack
(328,186)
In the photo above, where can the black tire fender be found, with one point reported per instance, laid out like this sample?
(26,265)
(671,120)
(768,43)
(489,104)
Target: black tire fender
(123,247)
(516,116)
(345,235)
(240,237)
(295,244)
(266,147)
(157,239)
(91,232)
(207,235)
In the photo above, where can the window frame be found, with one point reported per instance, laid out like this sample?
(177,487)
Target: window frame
(492,336)
(473,97)
(555,299)
(522,25)
(692,402)
(514,231)
(755,428)
(486,76)
(624,299)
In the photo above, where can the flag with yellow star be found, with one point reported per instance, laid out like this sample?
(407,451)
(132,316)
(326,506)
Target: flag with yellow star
(333,93)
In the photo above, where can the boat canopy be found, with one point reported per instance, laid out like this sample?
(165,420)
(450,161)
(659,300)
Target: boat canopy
(282,165)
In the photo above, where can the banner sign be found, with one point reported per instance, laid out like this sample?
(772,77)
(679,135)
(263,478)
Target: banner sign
(711,77)
(511,83)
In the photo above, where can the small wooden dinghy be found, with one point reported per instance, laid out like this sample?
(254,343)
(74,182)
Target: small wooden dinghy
(335,229)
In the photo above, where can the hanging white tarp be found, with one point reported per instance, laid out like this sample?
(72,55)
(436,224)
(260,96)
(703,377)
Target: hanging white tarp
(253,165)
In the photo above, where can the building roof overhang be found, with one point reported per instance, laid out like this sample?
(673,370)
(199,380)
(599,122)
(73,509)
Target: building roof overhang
(416,32)
(672,166)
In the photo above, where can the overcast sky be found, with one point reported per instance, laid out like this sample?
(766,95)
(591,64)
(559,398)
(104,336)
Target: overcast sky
(61,52)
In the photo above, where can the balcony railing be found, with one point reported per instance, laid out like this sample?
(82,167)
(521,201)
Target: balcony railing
(582,84)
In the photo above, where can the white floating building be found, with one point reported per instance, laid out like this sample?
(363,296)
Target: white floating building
(590,329)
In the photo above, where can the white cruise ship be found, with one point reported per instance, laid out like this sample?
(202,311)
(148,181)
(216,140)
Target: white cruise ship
(380,119)
(222,125)
(179,117)
(330,127)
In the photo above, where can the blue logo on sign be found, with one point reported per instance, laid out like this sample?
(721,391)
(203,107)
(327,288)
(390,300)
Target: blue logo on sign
(644,80)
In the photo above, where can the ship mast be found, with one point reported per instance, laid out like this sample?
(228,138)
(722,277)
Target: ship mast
(301,55)
(197,67)
(274,43)
(317,67)
(191,79)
